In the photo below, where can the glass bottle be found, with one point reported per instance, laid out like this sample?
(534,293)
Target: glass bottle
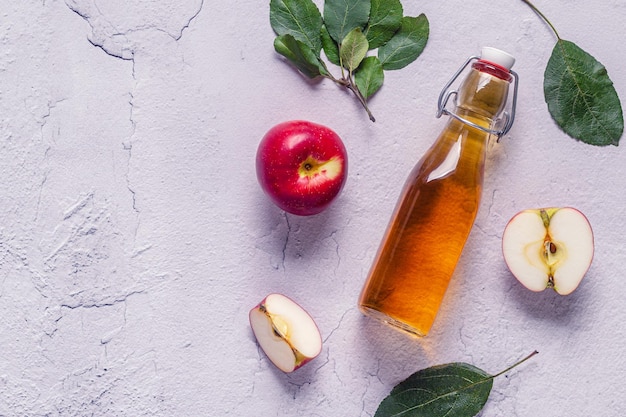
(439,201)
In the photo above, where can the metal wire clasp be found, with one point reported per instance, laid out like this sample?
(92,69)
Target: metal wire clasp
(506,119)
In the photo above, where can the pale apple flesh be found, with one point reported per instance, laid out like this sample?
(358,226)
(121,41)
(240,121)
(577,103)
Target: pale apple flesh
(285,332)
(549,248)
(314,170)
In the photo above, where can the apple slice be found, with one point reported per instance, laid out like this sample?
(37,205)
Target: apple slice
(285,331)
(548,248)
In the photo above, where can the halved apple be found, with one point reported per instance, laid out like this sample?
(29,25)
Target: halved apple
(286,332)
(549,248)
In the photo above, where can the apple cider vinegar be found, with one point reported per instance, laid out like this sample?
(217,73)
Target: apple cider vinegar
(438,204)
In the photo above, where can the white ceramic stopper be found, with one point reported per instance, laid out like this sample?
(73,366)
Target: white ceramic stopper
(498,57)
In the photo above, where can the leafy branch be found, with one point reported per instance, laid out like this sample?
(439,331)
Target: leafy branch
(346,32)
(580,95)
(453,389)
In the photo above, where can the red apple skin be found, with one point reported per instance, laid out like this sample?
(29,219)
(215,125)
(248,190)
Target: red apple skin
(302,166)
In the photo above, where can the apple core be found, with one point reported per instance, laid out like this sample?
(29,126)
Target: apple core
(548,248)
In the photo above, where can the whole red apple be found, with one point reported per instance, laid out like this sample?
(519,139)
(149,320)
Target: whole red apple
(301,166)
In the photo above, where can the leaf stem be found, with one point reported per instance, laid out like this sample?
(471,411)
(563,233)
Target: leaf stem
(545,19)
(519,362)
(358,94)
(348,83)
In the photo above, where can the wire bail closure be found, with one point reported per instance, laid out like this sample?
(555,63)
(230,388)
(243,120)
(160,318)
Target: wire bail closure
(445,95)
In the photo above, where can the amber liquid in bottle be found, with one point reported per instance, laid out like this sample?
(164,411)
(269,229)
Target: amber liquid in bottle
(434,214)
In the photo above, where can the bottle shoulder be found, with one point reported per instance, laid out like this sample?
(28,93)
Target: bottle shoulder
(458,151)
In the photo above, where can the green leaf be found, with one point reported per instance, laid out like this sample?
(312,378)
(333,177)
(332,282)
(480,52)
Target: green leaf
(450,390)
(341,16)
(406,45)
(455,389)
(301,55)
(331,49)
(385,20)
(369,76)
(581,97)
(353,49)
(298,18)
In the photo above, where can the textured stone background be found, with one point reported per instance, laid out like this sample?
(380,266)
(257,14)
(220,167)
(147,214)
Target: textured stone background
(134,237)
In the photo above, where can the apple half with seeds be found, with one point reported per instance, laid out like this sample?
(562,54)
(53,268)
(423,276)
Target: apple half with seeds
(549,248)
(286,332)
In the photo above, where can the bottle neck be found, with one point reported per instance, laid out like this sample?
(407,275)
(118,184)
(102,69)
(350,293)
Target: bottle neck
(484,92)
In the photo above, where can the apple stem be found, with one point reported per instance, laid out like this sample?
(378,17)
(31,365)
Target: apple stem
(545,217)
